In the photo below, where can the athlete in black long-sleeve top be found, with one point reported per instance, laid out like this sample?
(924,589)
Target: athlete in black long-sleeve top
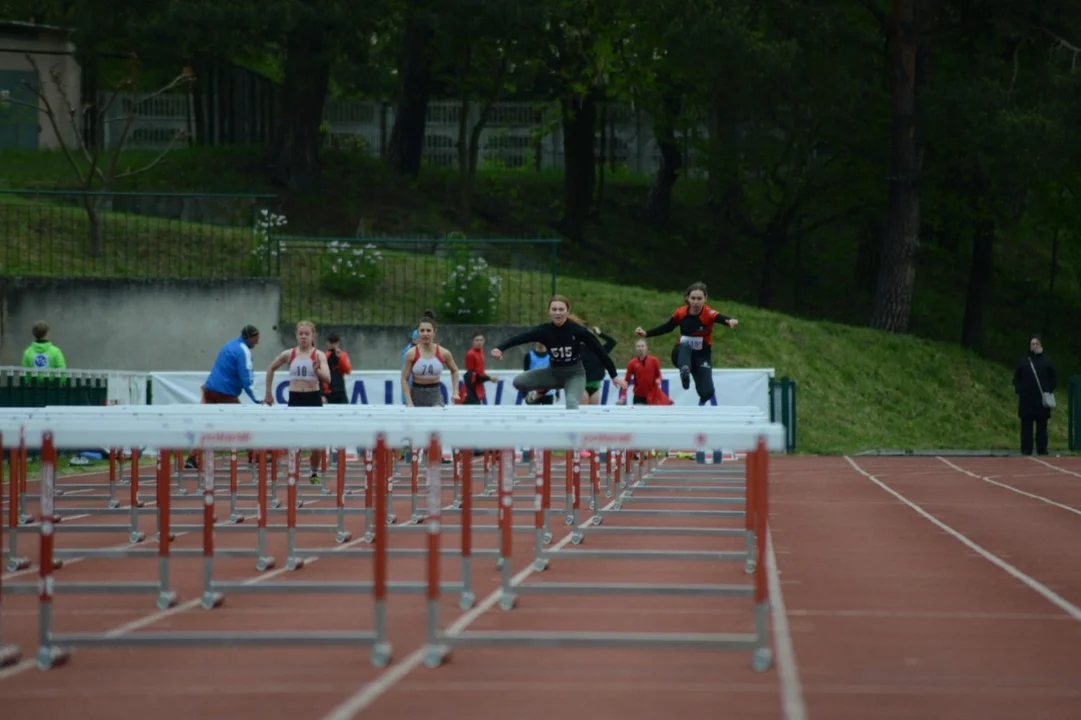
(564,341)
(693,354)
(594,363)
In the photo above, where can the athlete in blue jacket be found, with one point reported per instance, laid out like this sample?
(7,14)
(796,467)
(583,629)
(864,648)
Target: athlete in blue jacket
(230,376)
(232,371)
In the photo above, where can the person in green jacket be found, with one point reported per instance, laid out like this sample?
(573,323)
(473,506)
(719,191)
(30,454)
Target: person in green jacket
(42,354)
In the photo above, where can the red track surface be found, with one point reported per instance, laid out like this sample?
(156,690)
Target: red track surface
(882,614)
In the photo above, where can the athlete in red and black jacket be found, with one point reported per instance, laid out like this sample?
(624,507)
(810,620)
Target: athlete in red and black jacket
(693,354)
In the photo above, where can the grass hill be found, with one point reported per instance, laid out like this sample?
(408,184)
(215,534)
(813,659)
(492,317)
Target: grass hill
(859,389)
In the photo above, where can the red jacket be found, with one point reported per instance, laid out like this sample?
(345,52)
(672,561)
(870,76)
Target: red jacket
(475,375)
(647,380)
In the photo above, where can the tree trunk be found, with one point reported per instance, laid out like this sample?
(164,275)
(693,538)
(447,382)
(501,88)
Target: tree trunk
(292,159)
(1055,237)
(579,162)
(601,168)
(465,195)
(93,224)
(980,272)
(900,241)
(659,199)
(405,151)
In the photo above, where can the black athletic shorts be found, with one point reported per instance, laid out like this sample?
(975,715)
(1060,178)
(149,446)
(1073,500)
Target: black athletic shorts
(313,398)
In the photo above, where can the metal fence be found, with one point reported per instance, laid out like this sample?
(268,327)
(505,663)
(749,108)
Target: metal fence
(393,280)
(74,233)
(517,134)
(368,280)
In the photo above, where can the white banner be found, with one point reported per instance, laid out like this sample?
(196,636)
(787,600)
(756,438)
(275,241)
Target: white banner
(734,387)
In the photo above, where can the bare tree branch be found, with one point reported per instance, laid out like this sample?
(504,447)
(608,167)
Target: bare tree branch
(1063,44)
(180,135)
(75,117)
(39,93)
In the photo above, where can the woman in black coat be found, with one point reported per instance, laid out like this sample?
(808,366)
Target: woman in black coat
(1034,376)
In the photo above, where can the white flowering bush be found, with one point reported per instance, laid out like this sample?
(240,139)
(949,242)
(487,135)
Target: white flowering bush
(265,250)
(351,269)
(470,291)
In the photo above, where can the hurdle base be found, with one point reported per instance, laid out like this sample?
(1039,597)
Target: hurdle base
(762,660)
(293,563)
(436,655)
(51,656)
(686,641)
(18,563)
(382,654)
(212,600)
(574,588)
(264,563)
(10,655)
(606,554)
(215,639)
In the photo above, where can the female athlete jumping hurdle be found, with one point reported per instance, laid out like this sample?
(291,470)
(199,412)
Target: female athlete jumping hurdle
(693,354)
(564,340)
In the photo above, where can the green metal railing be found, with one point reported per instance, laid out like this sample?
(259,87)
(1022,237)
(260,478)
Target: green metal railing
(1073,413)
(73,233)
(33,388)
(782,407)
(393,280)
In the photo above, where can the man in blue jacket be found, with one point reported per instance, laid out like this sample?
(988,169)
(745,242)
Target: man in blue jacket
(230,376)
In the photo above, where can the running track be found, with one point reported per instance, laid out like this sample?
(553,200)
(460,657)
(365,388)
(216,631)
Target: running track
(909,588)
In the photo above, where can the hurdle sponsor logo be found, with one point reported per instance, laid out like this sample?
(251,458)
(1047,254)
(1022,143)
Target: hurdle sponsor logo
(224,438)
(605,439)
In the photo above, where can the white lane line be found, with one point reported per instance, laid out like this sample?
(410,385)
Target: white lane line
(1054,467)
(792,704)
(372,691)
(1011,488)
(1033,584)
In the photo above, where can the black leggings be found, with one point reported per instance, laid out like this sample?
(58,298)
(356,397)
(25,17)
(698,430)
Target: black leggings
(700,363)
(1027,426)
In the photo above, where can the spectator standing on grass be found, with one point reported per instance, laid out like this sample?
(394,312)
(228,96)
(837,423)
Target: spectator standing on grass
(42,354)
(1034,381)
(230,375)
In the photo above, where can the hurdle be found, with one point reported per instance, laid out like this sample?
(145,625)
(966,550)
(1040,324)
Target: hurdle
(570,433)
(749,413)
(9,654)
(54,649)
(439,643)
(348,412)
(295,556)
